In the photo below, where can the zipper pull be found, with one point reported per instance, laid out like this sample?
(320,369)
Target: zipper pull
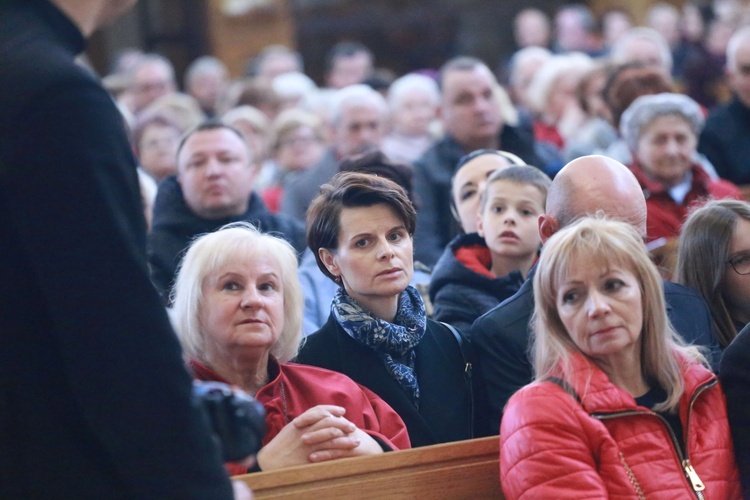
(693,476)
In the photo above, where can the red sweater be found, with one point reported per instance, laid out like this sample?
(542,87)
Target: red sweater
(308,386)
(553,446)
(665,216)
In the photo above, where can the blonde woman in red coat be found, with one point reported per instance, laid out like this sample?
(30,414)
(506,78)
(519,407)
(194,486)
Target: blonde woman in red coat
(620,407)
(237,310)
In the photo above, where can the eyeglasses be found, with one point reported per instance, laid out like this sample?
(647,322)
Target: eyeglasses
(740,263)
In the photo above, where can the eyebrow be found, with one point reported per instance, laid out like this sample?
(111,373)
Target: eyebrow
(362,235)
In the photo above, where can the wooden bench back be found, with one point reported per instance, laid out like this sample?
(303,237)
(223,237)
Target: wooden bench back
(465,469)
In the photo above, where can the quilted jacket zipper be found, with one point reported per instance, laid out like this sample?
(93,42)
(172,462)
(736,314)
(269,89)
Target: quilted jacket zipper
(690,475)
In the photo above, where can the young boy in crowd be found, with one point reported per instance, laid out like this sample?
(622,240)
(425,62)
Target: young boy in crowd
(510,206)
(477,271)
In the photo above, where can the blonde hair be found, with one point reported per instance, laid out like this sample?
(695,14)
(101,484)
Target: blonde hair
(606,244)
(544,81)
(211,251)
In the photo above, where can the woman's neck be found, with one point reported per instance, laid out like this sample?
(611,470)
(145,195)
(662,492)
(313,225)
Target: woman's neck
(247,374)
(384,308)
(624,371)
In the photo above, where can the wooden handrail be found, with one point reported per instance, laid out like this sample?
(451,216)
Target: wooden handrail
(465,469)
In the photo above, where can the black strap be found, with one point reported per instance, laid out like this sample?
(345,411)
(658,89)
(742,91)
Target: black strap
(467,373)
(565,387)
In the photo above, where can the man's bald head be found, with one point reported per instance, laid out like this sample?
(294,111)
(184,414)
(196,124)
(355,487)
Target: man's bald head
(592,184)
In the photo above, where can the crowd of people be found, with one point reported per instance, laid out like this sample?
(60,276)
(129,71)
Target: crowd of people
(458,252)
(426,203)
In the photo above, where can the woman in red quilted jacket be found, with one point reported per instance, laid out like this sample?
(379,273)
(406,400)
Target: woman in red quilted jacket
(620,407)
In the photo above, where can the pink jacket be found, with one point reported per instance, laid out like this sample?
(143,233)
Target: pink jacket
(553,446)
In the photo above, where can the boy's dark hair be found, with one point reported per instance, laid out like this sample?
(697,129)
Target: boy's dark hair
(524,175)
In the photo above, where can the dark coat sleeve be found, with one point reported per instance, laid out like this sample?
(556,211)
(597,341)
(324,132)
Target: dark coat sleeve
(456,306)
(433,230)
(735,380)
(501,341)
(73,207)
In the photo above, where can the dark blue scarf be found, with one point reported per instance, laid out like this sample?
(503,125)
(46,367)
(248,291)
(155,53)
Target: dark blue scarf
(393,342)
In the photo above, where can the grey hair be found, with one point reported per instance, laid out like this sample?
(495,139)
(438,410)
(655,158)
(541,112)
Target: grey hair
(409,82)
(649,107)
(209,252)
(357,94)
(545,79)
(617,54)
(740,36)
(294,84)
(204,65)
(520,57)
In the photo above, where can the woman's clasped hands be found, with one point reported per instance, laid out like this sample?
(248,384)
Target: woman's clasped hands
(319,434)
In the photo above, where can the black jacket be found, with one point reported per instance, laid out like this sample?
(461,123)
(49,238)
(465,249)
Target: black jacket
(175,226)
(444,402)
(459,294)
(735,380)
(725,140)
(501,339)
(432,185)
(94,398)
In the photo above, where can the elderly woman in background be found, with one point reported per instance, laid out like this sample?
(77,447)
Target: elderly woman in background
(296,145)
(412,102)
(238,313)
(555,107)
(254,126)
(620,407)
(714,259)
(360,228)
(155,137)
(662,133)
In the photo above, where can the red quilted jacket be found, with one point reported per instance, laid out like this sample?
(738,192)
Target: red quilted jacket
(665,216)
(553,446)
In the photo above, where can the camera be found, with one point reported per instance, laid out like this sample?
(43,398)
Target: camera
(237,420)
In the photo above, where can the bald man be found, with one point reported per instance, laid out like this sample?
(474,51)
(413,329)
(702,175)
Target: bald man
(585,186)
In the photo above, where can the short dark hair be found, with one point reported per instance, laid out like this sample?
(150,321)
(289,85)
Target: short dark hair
(460,63)
(211,124)
(350,190)
(344,49)
(524,175)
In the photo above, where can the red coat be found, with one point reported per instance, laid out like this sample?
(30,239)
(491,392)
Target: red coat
(552,446)
(665,216)
(308,386)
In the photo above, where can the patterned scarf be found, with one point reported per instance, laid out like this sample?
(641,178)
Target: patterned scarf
(393,342)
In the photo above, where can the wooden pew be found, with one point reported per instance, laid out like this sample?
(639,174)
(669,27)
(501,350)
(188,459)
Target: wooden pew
(465,469)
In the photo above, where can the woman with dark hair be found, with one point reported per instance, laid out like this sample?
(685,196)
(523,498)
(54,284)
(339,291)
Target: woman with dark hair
(714,260)
(360,228)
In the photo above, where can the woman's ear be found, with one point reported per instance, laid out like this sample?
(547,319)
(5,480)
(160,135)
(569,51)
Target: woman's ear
(328,260)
